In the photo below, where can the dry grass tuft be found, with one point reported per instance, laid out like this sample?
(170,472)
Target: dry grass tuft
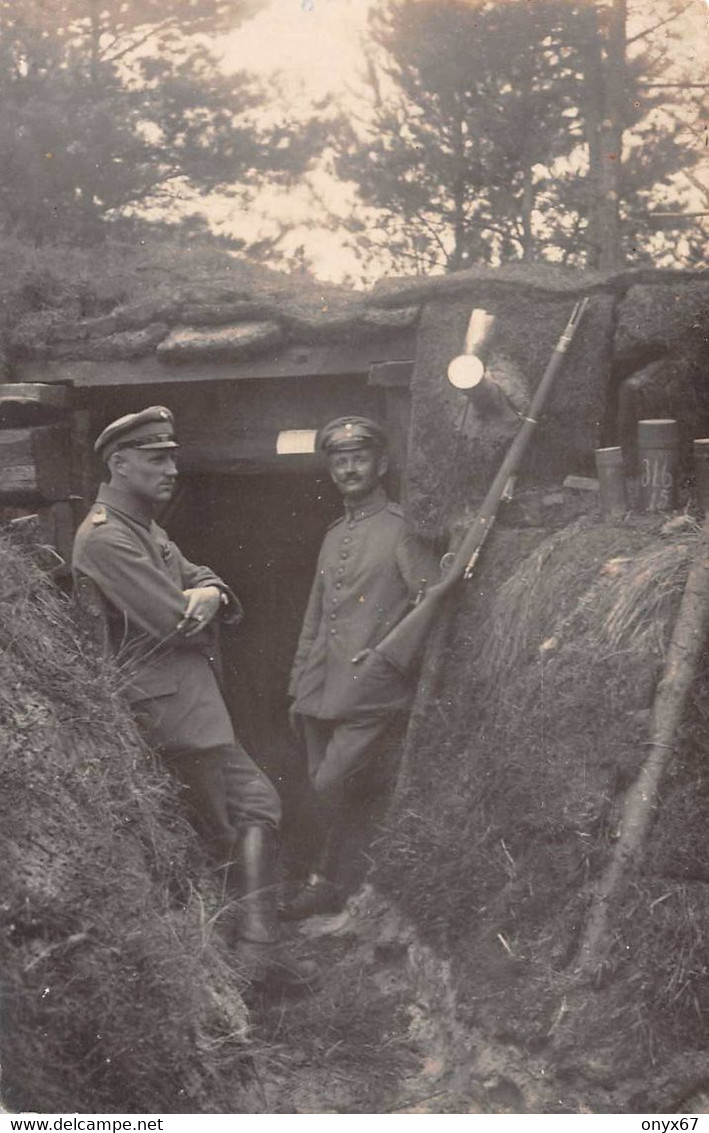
(117,995)
(635,600)
(513,783)
(594,581)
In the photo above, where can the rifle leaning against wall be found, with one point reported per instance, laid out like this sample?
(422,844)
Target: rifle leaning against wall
(398,653)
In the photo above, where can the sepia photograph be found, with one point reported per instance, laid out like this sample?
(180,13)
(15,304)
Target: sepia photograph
(354,561)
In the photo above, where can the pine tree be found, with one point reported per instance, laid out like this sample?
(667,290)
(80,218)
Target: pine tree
(115,105)
(498,132)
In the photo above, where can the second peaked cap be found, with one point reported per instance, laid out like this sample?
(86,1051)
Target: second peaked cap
(349,433)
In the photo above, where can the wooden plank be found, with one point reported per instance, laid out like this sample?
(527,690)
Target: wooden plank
(243,455)
(34,393)
(84,465)
(326,359)
(58,520)
(48,530)
(391,374)
(397,404)
(26,403)
(35,463)
(215,419)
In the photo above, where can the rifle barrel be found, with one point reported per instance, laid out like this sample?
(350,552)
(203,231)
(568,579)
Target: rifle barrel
(403,644)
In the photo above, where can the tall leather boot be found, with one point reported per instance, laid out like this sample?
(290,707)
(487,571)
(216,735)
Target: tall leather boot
(268,962)
(319,894)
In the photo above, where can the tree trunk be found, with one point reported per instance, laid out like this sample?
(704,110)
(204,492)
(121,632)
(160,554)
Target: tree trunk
(95,31)
(457,258)
(527,209)
(526,90)
(688,638)
(611,257)
(91,226)
(605,91)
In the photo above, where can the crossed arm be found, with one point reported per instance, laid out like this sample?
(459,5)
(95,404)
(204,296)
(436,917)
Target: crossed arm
(149,597)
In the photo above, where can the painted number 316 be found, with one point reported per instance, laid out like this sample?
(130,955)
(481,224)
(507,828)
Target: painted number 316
(655,474)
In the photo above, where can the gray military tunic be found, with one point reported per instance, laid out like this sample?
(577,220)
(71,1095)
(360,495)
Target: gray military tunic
(369,572)
(142,575)
(169,680)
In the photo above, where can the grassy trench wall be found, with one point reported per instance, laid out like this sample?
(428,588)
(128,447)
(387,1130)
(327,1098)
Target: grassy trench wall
(115,994)
(454,445)
(532,721)
(661,356)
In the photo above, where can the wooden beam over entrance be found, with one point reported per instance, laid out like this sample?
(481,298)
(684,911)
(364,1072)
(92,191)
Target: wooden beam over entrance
(391,375)
(324,359)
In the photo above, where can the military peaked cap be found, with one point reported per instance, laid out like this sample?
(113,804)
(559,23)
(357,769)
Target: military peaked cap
(349,433)
(151,428)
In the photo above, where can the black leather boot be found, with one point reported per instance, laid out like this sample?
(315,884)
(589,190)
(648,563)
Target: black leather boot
(267,961)
(318,894)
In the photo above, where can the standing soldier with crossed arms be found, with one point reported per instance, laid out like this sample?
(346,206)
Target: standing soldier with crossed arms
(162,611)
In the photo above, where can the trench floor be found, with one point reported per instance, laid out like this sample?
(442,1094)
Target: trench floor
(359,1043)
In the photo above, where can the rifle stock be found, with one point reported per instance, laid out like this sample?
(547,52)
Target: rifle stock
(403,645)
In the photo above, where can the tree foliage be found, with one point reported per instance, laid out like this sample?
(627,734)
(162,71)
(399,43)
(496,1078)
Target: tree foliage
(116,105)
(497,131)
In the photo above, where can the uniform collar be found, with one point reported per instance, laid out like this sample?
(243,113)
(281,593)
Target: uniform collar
(370,505)
(126,503)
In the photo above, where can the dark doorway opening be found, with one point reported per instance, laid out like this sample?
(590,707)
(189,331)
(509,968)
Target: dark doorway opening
(262,534)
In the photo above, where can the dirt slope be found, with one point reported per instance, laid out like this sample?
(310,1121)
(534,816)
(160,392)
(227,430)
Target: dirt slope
(529,727)
(116,993)
(452,982)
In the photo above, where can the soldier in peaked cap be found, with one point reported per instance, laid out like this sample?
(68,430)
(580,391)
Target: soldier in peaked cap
(152,428)
(369,572)
(348,433)
(162,611)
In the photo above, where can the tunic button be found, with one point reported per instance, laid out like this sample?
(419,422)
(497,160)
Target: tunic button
(338,586)
(333,630)
(347,539)
(343,554)
(333,616)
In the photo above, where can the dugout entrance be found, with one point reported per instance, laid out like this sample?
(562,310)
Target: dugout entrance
(253,502)
(261,533)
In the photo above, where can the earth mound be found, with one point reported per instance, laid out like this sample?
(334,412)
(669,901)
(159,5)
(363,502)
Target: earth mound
(531,723)
(117,995)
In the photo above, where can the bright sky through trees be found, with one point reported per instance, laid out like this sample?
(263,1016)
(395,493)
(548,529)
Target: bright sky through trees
(315,51)
(314,137)
(315,44)
(313,48)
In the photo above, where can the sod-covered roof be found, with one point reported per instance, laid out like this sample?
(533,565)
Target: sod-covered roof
(181,303)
